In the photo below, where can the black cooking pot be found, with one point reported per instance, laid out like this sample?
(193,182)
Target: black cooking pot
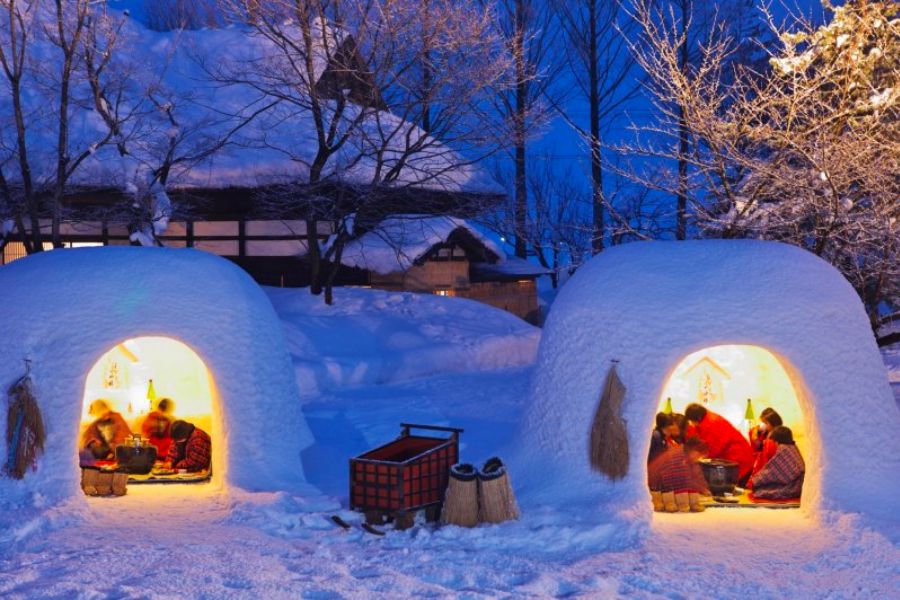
(720,474)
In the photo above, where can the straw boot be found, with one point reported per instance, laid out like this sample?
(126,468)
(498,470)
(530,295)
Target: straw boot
(496,500)
(461,499)
(682,500)
(668,499)
(694,500)
(656,498)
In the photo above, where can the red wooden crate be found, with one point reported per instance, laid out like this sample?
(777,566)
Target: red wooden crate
(406,474)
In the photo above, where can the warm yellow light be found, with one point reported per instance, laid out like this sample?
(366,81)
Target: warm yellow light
(122,376)
(725,376)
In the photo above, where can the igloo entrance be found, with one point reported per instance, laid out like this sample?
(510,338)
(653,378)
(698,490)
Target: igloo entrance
(149,410)
(743,384)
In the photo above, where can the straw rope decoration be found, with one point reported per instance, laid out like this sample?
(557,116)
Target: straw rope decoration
(25,435)
(609,438)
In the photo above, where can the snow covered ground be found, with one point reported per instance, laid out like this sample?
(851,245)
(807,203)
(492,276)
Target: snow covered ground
(201,542)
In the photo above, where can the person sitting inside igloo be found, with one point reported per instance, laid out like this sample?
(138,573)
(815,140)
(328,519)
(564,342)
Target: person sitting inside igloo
(157,427)
(100,438)
(762,445)
(191,448)
(723,439)
(667,434)
(782,477)
(675,479)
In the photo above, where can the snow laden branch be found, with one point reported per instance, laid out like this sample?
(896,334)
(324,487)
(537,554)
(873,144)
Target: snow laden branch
(392,94)
(805,149)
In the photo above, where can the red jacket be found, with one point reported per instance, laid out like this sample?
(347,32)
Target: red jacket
(762,457)
(156,428)
(724,441)
(194,454)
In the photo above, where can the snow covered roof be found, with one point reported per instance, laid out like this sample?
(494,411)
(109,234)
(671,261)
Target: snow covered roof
(512,267)
(276,147)
(92,299)
(651,305)
(398,242)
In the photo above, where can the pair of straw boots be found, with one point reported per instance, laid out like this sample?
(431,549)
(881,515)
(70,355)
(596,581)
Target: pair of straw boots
(676,502)
(479,495)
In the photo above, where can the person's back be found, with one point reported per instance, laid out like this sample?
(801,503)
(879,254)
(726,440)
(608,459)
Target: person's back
(722,438)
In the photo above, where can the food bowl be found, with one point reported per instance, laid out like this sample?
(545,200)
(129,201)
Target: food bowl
(720,474)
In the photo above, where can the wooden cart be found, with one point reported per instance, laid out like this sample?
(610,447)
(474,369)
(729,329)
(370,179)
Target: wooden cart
(392,482)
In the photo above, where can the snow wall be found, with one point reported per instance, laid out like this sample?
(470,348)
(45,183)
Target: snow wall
(648,305)
(64,309)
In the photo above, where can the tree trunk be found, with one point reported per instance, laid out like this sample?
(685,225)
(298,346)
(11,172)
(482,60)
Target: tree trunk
(521,192)
(315,256)
(596,156)
(681,201)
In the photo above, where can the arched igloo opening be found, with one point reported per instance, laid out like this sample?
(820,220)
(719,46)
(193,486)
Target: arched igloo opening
(739,382)
(151,382)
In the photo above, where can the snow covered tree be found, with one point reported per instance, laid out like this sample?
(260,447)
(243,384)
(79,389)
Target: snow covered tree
(365,75)
(806,151)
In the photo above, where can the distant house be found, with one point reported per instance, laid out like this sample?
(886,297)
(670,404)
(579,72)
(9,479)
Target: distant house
(446,256)
(213,204)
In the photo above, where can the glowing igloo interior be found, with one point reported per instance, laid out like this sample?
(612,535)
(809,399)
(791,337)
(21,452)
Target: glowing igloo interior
(723,378)
(135,374)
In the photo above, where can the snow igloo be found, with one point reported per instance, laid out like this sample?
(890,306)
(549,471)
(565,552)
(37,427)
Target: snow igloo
(133,324)
(727,320)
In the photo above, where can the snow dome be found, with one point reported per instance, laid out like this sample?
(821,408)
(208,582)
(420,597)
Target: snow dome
(726,320)
(103,322)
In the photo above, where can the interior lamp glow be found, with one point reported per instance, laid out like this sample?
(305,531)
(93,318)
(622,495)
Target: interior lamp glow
(734,381)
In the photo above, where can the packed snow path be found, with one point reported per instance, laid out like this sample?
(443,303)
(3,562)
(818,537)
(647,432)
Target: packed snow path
(197,542)
(180,542)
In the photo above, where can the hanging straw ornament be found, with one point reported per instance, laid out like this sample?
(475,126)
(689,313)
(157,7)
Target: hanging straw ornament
(24,427)
(609,438)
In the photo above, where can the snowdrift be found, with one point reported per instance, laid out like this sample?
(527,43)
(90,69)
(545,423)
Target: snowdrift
(65,309)
(650,305)
(374,337)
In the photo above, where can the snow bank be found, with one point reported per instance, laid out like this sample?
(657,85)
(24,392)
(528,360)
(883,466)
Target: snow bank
(649,305)
(372,337)
(64,309)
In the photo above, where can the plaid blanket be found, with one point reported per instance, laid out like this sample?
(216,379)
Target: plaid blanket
(782,476)
(673,471)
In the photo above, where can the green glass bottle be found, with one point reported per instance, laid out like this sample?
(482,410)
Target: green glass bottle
(748,414)
(668,409)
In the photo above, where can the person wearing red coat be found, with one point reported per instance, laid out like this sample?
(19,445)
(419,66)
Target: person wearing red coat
(722,438)
(191,449)
(157,427)
(763,447)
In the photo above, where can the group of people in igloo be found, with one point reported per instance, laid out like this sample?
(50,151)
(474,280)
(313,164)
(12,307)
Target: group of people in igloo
(155,443)
(719,330)
(700,453)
